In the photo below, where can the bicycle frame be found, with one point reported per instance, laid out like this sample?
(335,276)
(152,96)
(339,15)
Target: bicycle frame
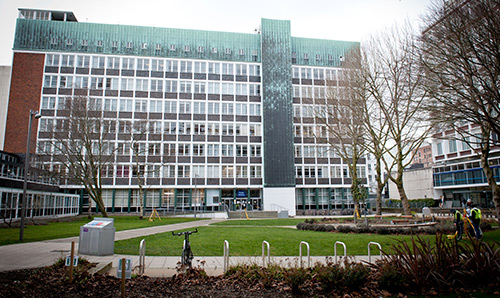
(187,254)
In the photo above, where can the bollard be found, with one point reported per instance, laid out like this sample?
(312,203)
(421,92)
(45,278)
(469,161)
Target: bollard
(379,248)
(335,249)
(124,265)
(308,255)
(71,261)
(226,255)
(268,254)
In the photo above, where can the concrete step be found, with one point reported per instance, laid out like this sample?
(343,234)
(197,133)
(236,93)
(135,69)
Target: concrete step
(252,214)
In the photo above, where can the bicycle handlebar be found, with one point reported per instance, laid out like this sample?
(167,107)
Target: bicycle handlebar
(185,233)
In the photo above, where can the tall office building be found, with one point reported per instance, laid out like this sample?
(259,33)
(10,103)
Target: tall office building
(230,115)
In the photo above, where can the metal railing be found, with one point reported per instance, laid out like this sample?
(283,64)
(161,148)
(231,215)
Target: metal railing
(369,254)
(308,254)
(142,257)
(226,255)
(265,243)
(335,249)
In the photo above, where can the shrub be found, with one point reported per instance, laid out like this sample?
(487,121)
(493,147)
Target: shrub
(296,277)
(349,275)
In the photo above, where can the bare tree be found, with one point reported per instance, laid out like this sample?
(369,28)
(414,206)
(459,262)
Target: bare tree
(343,119)
(394,81)
(462,63)
(81,145)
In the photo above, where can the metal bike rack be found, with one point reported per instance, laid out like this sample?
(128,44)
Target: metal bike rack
(335,249)
(142,256)
(308,255)
(379,248)
(226,255)
(265,243)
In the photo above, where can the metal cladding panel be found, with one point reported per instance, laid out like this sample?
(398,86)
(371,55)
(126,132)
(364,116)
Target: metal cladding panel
(52,36)
(277,107)
(321,52)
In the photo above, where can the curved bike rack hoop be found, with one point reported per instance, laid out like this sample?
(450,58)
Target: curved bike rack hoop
(142,256)
(226,255)
(335,249)
(265,243)
(379,248)
(308,254)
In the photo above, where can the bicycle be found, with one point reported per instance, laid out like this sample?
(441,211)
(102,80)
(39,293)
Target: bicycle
(187,254)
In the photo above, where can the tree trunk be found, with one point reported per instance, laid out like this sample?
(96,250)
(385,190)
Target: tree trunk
(380,188)
(495,189)
(401,190)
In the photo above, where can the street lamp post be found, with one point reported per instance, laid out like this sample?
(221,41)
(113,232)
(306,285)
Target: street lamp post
(26,168)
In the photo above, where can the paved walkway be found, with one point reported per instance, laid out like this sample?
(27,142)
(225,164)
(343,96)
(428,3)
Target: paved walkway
(45,253)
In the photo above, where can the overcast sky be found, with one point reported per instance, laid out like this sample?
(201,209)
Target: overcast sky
(351,20)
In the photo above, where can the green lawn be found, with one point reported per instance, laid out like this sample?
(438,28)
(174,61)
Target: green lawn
(261,222)
(57,230)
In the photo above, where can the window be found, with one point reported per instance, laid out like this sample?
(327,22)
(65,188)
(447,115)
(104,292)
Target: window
(186,66)
(213,108)
(96,83)
(254,109)
(241,171)
(52,60)
(241,69)
(322,172)
(155,106)
(168,171)
(198,172)
(255,172)
(127,84)
(110,104)
(254,90)
(213,129)
(199,128)
(227,69)
(306,73)
(453,146)
(156,85)
(198,107)
(255,130)
(83,61)
(141,85)
(141,105)
(213,171)
(241,109)
(255,150)
(184,107)
(184,128)
(227,171)
(171,65)
(157,65)
(361,171)
(48,103)
(112,83)
(199,87)
(228,88)
(170,107)
(227,150)
(183,171)
(335,172)
(142,64)
(98,62)
(171,86)
(81,82)
(128,63)
(439,148)
(200,67)
(68,61)
(170,128)
(126,105)
(241,89)
(227,109)
(213,150)
(50,81)
(183,149)
(227,129)
(241,150)
(214,68)
(213,88)
(185,87)
(113,62)
(319,74)
(66,82)
(198,150)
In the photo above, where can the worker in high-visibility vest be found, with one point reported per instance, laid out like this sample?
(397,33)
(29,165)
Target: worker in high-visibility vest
(459,223)
(476,221)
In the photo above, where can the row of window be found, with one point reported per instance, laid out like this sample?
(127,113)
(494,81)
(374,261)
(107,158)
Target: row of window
(150,85)
(308,73)
(327,172)
(107,127)
(157,106)
(183,171)
(160,149)
(152,64)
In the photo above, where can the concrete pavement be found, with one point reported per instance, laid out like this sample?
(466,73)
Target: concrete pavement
(45,253)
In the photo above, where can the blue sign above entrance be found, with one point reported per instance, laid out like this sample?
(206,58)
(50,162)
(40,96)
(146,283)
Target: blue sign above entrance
(241,193)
